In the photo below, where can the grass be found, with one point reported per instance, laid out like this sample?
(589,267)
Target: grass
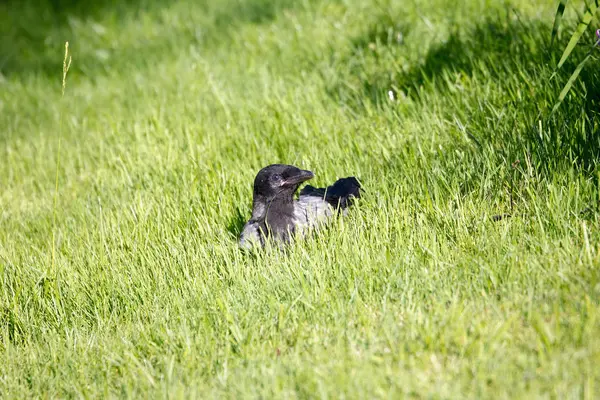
(171,108)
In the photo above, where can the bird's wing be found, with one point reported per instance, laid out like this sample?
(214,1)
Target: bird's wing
(250,236)
(340,194)
(310,210)
(309,190)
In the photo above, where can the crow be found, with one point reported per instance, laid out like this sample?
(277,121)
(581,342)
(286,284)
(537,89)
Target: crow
(277,215)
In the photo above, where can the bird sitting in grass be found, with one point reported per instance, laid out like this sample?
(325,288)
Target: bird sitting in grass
(277,215)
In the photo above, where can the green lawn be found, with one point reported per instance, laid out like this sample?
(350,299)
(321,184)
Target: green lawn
(170,109)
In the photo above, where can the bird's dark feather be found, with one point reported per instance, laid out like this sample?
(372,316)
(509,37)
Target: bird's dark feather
(340,194)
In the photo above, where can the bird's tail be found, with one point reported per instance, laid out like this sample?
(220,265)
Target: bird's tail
(341,194)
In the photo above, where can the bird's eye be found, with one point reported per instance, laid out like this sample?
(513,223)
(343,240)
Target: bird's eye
(276,178)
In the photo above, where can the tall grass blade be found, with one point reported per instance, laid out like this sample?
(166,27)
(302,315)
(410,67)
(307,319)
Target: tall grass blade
(66,66)
(570,82)
(581,27)
(557,19)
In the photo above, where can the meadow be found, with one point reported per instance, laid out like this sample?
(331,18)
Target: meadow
(121,200)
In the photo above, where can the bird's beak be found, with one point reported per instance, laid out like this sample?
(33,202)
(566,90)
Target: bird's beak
(301,176)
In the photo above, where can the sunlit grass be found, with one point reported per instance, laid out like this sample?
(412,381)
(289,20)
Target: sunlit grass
(172,108)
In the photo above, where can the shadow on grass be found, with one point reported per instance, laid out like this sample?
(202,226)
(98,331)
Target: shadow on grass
(502,47)
(514,57)
(236,223)
(34,31)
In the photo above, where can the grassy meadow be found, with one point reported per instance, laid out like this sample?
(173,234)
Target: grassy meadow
(121,201)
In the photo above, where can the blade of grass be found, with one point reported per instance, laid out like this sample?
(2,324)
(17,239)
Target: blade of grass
(66,66)
(557,19)
(570,82)
(581,27)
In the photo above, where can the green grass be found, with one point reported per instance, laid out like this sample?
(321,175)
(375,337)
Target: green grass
(170,109)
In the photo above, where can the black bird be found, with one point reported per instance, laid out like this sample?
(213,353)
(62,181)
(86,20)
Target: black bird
(275,212)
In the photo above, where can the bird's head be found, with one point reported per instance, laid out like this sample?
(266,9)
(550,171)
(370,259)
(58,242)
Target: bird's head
(279,180)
